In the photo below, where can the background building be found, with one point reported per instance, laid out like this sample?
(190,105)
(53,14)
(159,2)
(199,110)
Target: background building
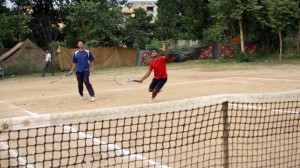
(149,6)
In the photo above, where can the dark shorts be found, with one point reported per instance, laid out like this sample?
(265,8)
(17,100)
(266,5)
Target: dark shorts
(157,83)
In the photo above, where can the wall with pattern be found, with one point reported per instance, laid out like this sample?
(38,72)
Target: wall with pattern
(211,51)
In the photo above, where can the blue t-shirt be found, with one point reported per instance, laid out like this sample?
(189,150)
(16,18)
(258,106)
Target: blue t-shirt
(81,59)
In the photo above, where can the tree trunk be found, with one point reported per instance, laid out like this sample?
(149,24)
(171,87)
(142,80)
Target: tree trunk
(280,49)
(241,36)
(298,41)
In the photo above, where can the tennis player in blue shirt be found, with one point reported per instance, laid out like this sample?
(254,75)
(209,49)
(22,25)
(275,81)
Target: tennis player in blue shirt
(83,61)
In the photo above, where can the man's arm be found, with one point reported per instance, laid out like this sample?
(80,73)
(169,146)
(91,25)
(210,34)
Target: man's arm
(145,76)
(73,67)
(92,66)
(91,60)
(163,49)
(74,64)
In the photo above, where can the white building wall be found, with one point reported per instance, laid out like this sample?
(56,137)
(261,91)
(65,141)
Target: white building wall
(146,5)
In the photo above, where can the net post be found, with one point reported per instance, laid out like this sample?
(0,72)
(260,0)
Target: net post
(224,114)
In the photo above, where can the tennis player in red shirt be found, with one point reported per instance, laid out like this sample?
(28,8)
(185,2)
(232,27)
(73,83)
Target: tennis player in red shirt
(158,64)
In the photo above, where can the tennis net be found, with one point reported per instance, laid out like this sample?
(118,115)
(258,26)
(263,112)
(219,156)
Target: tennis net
(255,130)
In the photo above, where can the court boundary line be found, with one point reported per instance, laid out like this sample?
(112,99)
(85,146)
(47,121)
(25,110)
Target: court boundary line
(271,79)
(13,153)
(120,89)
(141,87)
(168,84)
(16,107)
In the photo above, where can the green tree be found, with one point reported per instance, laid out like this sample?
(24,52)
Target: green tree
(280,14)
(232,14)
(12,26)
(95,21)
(169,24)
(46,20)
(298,18)
(298,42)
(182,19)
(138,30)
(196,17)
(3,8)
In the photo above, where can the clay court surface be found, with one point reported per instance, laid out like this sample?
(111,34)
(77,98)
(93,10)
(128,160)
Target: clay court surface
(31,95)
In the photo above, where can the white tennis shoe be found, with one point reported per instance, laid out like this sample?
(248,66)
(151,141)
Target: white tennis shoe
(93,99)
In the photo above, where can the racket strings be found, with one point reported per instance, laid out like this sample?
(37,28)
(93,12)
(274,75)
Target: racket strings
(121,79)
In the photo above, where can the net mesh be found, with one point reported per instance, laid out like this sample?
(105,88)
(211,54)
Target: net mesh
(224,134)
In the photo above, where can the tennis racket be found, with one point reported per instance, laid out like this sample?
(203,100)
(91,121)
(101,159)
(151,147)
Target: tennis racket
(123,79)
(64,76)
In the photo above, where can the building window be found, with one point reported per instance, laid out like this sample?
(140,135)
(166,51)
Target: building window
(150,8)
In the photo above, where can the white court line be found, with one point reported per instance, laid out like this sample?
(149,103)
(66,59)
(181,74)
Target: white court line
(12,153)
(112,147)
(268,79)
(167,84)
(119,151)
(21,160)
(208,80)
(16,107)
(133,88)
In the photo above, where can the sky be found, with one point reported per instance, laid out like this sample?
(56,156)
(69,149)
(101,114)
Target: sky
(8,3)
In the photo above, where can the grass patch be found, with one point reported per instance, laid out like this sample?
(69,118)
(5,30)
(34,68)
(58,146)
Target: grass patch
(290,59)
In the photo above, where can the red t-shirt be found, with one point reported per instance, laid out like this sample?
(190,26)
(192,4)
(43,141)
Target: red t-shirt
(159,66)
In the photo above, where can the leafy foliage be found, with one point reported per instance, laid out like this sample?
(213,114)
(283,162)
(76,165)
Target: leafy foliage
(138,30)
(280,14)
(101,22)
(181,19)
(13,26)
(243,57)
(227,13)
(98,22)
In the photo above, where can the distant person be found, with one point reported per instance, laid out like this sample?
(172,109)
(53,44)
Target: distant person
(158,64)
(47,64)
(83,60)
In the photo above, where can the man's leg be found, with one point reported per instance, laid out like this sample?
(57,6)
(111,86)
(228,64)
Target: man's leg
(45,69)
(79,76)
(152,85)
(151,89)
(51,69)
(154,93)
(88,84)
(160,83)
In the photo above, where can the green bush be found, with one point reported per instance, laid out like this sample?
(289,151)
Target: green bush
(158,44)
(243,57)
(289,43)
(92,43)
(23,67)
